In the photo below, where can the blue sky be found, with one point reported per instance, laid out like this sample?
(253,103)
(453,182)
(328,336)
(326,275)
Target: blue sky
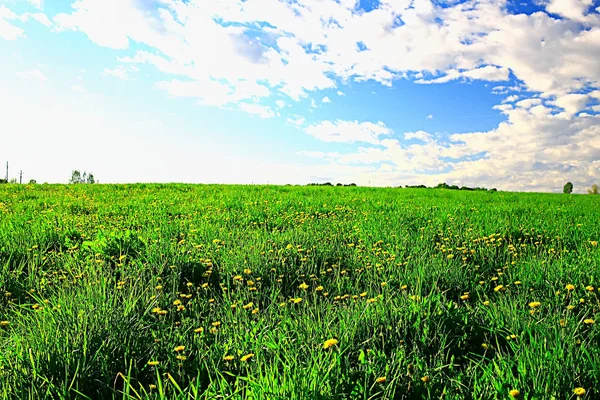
(481,93)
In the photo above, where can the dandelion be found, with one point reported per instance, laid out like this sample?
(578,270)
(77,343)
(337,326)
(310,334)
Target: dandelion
(247,271)
(4,323)
(153,363)
(216,324)
(498,288)
(518,282)
(179,348)
(589,321)
(381,379)
(589,288)
(570,287)
(181,358)
(404,287)
(319,288)
(464,297)
(297,300)
(486,303)
(303,286)
(247,357)
(330,343)
(177,302)
(255,311)
(249,305)
(159,287)
(535,304)
(514,393)
(152,386)
(383,284)
(579,391)
(199,330)
(228,358)
(485,346)
(426,378)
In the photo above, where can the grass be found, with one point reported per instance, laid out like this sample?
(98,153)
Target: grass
(186,291)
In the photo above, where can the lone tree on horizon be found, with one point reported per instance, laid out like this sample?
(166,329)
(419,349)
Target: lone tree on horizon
(568,188)
(594,189)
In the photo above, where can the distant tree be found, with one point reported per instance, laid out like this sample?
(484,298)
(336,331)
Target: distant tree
(3,181)
(568,188)
(13,180)
(32,181)
(595,189)
(77,177)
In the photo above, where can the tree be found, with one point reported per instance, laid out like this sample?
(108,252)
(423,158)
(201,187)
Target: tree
(78,177)
(568,188)
(594,189)
(32,181)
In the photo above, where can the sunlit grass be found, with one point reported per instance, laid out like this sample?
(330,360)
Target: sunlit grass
(180,291)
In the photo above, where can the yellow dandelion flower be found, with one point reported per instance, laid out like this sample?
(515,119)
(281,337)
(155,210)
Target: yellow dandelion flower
(535,304)
(319,288)
(228,358)
(153,363)
(297,300)
(199,330)
(4,323)
(282,304)
(570,307)
(404,287)
(518,282)
(329,343)
(255,311)
(247,271)
(589,288)
(177,302)
(249,305)
(216,323)
(485,346)
(381,379)
(464,297)
(303,286)
(514,393)
(179,348)
(486,303)
(162,312)
(152,386)
(247,357)
(181,358)
(159,287)
(589,321)
(498,288)
(383,284)
(570,287)
(426,378)
(579,391)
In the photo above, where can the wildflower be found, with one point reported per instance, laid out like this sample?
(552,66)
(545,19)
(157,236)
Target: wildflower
(319,288)
(153,363)
(247,357)
(4,323)
(485,346)
(162,312)
(189,284)
(255,311)
(589,288)
(511,337)
(570,307)
(177,302)
(383,284)
(228,358)
(535,304)
(282,304)
(570,287)
(381,379)
(179,348)
(404,287)
(562,322)
(303,286)
(199,330)
(330,343)
(159,287)
(589,321)
(514,393)
(216,323)
(297,300)
(204,285)
(579,391)
(498,288)
(486,303)
(247,271)
(464,297)
(518,282)
(152,386)
(363,294)
(181,358)
(249,305)
(426,378)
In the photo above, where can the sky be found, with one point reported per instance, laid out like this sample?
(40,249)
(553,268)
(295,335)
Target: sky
(492,93)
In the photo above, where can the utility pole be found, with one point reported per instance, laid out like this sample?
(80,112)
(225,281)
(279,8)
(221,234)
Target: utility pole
(7,171)
(21,176)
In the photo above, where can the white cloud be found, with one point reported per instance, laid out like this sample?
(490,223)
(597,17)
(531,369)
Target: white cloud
(7,30)
(511,98)
(430,116)
(78,89)
(256,109)
(340,93)
(120,72)
(572,103)
(280,103)
(39,4)
(33,74)
(297,120)
(348,131)
(325,100)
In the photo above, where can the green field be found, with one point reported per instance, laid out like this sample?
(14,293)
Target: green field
(190,291)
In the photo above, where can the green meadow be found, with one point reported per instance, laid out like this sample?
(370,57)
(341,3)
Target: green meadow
(264,292)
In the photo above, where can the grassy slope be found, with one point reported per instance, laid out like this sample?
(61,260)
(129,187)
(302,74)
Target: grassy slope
(88,270)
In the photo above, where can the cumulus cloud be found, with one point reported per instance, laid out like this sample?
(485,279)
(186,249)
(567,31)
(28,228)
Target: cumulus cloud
(348,131)
(33,74)
(256,109)
(9,31)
